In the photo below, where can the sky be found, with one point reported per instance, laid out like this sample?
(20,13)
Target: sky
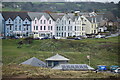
(116,1)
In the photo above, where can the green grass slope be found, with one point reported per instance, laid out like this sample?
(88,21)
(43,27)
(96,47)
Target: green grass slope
(101,51)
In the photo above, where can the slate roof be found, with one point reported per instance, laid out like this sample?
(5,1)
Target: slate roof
(55,16)
(71,16)
(57,57)
(38,15)
(98,18)
(10,14)
(34,62)
(73,67)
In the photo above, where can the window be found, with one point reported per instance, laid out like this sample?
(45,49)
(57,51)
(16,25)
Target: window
(19,21)
(65,34)
(62,27)
(20,27)
(50,22)
(51,27)
(10,27)
(36,27)
(65,28)
(68,34)
(9,21)
(82,28)
(62,34)
(35,21)
(27,27)
(69,22)
(71,28)
(44,27)
(57,34)
(44,21)
(41,21)
(40,27)
(16,27)
(68,28)
(75,28)
(57,27)
(48,27)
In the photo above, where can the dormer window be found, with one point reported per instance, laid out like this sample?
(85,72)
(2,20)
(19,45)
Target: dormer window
(35,21)
(50,22)
(41,21)
(44,21)
(19,21)
(69,22)
(26,22)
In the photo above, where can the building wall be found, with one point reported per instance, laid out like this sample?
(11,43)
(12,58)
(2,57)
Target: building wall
(43,26)
(52,63)
(1,25)
(17,27)
(90,27)
(67,27)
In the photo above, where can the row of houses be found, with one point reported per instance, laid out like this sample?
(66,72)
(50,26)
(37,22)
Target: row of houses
(48,24)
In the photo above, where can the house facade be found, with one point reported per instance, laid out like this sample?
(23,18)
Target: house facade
(42,24)
(68,24)
(16,24)
(1,25)
(49,24)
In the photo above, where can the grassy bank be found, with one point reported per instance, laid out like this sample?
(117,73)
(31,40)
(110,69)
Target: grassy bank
(102,51)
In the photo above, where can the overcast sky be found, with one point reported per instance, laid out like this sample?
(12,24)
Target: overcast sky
(116,1)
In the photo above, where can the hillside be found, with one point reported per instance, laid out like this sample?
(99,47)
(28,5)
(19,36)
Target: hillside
(62,7)
(102,51)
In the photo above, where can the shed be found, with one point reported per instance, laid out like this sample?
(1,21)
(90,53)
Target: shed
(56,60)
(34,62)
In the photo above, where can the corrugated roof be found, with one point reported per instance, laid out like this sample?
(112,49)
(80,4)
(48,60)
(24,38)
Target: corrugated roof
(73,67)
(57,57)
(34,62)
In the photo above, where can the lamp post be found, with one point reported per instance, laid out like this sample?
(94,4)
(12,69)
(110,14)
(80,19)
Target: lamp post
(88,57)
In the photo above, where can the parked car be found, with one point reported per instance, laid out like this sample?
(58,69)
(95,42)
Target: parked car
(77,38)
(84,37)
(2,37)
(113,67)
(117,70)
(102,68)
(37,38)
(45,38)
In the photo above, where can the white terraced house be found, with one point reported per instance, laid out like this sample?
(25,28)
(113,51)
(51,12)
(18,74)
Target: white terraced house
(69,24)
